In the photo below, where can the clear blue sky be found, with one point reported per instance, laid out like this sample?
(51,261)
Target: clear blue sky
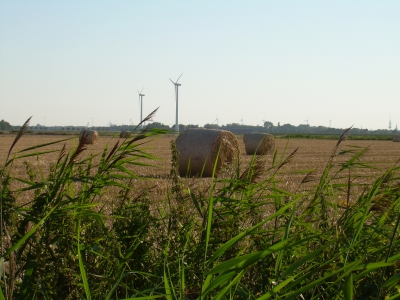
(66,62)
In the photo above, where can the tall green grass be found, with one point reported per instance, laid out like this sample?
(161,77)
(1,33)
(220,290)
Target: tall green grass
(241,237)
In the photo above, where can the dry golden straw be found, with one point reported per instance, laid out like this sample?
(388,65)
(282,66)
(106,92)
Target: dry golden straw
(88,137)
(124,134)
(259,143)
(198,151)
(396,138)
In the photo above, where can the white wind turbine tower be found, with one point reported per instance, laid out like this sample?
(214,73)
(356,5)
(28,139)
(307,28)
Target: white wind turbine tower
(141,105)
(217,120)
(177,85)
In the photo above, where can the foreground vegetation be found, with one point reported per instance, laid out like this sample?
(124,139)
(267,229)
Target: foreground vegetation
(240,237)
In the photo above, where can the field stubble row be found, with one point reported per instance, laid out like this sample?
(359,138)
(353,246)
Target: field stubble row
(311,155)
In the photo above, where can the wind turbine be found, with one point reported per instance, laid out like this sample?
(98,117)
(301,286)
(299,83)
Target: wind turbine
(216,120)
(141,105)
(307,120)
(177,85)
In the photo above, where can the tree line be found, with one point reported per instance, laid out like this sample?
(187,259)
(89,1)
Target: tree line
(267,127)
(5,125)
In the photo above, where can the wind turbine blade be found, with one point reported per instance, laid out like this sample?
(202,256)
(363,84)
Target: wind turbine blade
(178,78)
(138,92)
(142,90)
(172,81)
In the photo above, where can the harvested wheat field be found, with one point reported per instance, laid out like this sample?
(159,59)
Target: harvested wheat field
(128,204)
(311,155)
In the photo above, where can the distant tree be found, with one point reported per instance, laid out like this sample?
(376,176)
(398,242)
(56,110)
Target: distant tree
(303,128)
(191,126)
(287,128)
(268,124)
(232,126)
(157,125)
(5,125)
(181,127)
(211,126)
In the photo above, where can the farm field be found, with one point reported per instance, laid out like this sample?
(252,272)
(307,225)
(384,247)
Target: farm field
(311,155)
(93,227)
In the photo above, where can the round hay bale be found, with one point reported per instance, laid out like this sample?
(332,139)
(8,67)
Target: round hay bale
(198,150)
(124,134)
(396,138)
(259,143)
(88,137)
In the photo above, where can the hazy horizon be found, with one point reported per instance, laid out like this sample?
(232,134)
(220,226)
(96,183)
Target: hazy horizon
(331,63)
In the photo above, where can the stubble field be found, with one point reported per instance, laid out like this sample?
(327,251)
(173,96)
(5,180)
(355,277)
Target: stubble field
(298,228)
(311,155)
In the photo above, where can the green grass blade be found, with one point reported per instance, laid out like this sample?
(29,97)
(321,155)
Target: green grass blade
(29,270)
(305,259)
(144,298)
(30,155)
(1,274)
(205,286)
(220,280)
(21,132)
(348,287)
(392,281)
(210,208)
(29,234)
(81,266)
(279,259)
(237,238)
(241,262)
(397,296)
(225,290)
(168,292)
(276,289)
(345,269)
(44,145)
(351,161)
(373,266)
(182,279)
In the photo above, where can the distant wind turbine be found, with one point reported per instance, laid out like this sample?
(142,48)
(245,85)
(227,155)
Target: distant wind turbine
(216,120)
(177,85)
(141,105)
(307,120)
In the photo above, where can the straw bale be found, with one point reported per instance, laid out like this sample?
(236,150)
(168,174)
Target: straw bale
(198,149)
(259,143)
(396,138)
(124,134)
(88,137)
